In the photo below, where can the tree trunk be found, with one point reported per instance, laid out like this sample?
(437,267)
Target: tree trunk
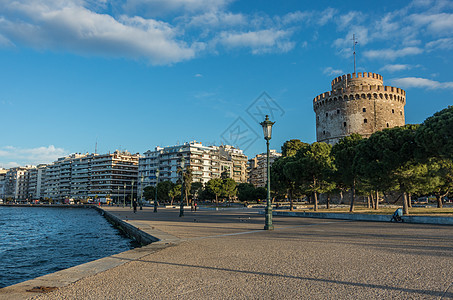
(315,201)
(369,202)
(351,207)
(171,203)
(405,206)
(216,200)
(439,201)
(409,200)
(291,206)
(376,199)
(328,201)
(341,197)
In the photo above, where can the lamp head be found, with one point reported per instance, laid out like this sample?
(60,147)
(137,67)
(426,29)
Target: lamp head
(267,128)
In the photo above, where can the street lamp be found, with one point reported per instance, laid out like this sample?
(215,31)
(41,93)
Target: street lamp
(132,192)
(181,207)
(118,197)
(267,130)
(155,198)
(124,199)
(141,193)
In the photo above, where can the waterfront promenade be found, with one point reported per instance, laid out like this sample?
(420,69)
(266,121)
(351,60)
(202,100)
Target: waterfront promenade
(227,255)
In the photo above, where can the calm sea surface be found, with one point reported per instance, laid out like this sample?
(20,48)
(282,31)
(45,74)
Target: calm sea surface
(35,241)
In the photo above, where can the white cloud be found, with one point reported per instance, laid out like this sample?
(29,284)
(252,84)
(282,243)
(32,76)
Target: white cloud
(332,72)
(262,41)
(198,75)
(395,68)
(441,24)
(153,8)
(75,28)
(444,44)
(392,54)
(15,156)
(215,19)
(417,82)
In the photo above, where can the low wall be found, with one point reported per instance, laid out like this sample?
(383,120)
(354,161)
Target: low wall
(365,217)
(133,232)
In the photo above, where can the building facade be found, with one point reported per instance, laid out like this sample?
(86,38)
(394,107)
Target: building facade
(206,162)
(358,103)
(16,184)
(257,168)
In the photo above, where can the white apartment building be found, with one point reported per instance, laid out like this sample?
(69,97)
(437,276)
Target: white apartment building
(257,167)
(2,182)
(35,181)
(16,184)
(113,175)
(206,162)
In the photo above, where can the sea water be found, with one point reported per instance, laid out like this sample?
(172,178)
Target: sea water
(35,241)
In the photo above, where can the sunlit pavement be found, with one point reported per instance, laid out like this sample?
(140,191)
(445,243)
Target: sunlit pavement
(227,254)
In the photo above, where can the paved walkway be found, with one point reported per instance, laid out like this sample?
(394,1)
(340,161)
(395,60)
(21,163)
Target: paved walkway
(227,255)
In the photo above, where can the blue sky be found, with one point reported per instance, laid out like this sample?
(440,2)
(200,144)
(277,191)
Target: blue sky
(135,74)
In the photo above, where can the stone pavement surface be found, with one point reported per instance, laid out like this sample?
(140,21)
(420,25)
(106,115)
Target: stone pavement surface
(227,255)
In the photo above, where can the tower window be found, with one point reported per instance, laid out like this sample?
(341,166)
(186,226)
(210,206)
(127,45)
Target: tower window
(327,114)
(365,121)
(344,124)
(387,125)
(338,111)
(364,109)
(401,113)
(324,132)
(393,111)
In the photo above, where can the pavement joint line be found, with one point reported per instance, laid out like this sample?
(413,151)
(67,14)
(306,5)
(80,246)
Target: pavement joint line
(445,292)
(256,231)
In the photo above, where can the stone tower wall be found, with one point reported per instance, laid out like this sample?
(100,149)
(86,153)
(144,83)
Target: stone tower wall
(357,104)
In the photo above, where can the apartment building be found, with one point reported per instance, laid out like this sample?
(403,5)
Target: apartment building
(206,162)
(36,181)
(257,167)
(16,184)
(2,182)
(113,175)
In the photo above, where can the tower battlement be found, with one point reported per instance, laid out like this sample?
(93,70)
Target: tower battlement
(358,103)
(357,79)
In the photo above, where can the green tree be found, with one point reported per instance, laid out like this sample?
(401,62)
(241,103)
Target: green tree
(196,189)
(291,147)
(174,192)
(440,178)
(214,186)
(312,169)
(229,188)
(188,178)
(387,161)
(346,174)
(435,135)
(149,192)
(246,191)
(163,189)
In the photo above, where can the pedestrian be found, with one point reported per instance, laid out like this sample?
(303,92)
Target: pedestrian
(195,206)
(134,204)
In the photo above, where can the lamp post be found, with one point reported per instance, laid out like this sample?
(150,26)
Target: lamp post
(118,197)
(124,199)
(181,206)
(132,192)
(267,130)
(141,193)
(155,198)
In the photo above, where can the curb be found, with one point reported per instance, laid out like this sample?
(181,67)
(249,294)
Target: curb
(364,217)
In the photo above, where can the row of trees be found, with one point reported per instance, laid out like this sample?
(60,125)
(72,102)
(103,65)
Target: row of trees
(214,189)
(413,159)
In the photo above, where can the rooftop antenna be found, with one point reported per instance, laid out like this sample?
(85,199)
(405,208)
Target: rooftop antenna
(96,147)
(354,42)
